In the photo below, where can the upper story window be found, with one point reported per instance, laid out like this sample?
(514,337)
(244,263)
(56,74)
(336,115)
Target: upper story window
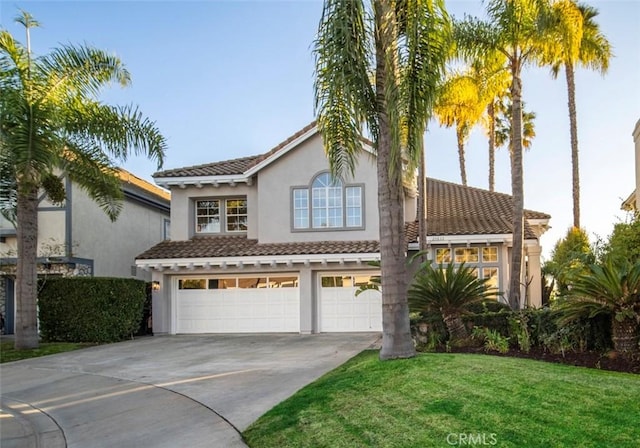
(221,215)
(328,204)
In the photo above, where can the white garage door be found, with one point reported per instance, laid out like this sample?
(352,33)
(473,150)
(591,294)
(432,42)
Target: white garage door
(341,310)
(238,304)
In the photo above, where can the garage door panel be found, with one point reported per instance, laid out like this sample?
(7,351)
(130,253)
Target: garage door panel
(342,311)
(238,310)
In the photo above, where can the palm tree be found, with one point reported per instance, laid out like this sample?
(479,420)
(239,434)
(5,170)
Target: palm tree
(450,292)
(515,29)
(503,126)
(459,104)
(405,45)
(577,41)
(51,122)
(612,289)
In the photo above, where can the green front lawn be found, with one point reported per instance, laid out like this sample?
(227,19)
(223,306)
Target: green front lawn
(8,353)
(441,400)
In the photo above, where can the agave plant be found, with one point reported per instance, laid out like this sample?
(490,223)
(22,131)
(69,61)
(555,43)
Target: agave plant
(610,288)
(449,291)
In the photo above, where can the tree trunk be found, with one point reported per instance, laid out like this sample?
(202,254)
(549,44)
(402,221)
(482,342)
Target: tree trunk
(491,112)
(573,123)
(463,169)
(396,332)
(27,271)
(517,188)
(422,204)
(455,327)
(625,335)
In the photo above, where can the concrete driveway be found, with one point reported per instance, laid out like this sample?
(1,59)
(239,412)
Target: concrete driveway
(162,391)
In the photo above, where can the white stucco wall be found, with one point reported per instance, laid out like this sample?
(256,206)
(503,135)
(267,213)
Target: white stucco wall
(114,245)
(51,235)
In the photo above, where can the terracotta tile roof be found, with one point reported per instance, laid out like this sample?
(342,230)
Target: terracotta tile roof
(233,166)
(226,167)
(453,209)
(241,246)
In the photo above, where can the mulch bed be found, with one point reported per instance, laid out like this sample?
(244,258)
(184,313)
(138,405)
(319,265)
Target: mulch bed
(594,360)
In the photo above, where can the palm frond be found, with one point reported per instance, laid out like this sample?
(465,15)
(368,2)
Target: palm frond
(344,95)
(117,130)
(449,289)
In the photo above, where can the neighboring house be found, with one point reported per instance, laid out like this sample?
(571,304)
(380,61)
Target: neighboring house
(76,238)
(633,201)
(270,243)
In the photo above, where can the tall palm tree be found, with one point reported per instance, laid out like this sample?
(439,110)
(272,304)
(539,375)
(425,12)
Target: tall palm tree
(405,45)
(50,122)
(515,29)
(612,289)
(459,104)
(577,41)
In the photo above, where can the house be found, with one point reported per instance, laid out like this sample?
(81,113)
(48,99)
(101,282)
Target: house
(76,238)
(270,243)
(633,201)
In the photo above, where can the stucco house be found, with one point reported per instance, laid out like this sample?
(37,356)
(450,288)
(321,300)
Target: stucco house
(633,201)
(76,238)
(270,243)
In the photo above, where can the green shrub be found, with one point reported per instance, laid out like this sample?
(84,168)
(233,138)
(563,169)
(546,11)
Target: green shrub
(90,309)
(493,341)
(519,330)
(496,321)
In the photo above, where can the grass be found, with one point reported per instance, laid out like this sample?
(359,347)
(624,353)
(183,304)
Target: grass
(8,353)
(438,400)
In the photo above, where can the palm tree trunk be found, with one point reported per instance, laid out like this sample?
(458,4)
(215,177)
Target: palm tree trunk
(463,169)
(517,188)
(27,271)
(396,332)
(625,335)
(455,327)
(491,112)
(422,203)
(573,122)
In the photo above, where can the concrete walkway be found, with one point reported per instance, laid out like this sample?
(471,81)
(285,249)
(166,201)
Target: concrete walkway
(163,391)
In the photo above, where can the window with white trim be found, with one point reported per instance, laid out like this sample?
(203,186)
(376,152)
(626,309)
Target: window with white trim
(482,260)
(327,204)
(221,215)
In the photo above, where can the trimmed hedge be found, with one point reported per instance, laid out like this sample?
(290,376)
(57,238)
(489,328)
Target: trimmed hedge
(90,309)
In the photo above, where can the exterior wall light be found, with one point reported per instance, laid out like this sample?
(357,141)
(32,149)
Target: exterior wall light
(155,286)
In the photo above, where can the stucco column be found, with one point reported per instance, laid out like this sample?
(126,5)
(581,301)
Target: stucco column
(160,303)
(534,278)
(306,301)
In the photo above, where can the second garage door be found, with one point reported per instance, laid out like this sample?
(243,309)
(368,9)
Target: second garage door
(340,309)
(238,304)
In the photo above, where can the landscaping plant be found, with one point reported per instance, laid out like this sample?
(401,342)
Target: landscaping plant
(612,287)
(449,292)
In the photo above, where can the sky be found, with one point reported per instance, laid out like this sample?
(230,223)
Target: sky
(227,79)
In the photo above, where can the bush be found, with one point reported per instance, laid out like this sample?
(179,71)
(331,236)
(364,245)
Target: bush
(493,341)
(90,309)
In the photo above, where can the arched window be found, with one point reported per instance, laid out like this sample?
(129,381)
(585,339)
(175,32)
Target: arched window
(327,204)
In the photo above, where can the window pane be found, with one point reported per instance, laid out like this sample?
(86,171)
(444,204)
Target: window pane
(236,215)
(222,283)
(489,254)
(466,254)
(192,283)
(301,208)
(492,275)
(283,282)
(252,282)
(208,216)
(335,281)
(354,206)
(443,256)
